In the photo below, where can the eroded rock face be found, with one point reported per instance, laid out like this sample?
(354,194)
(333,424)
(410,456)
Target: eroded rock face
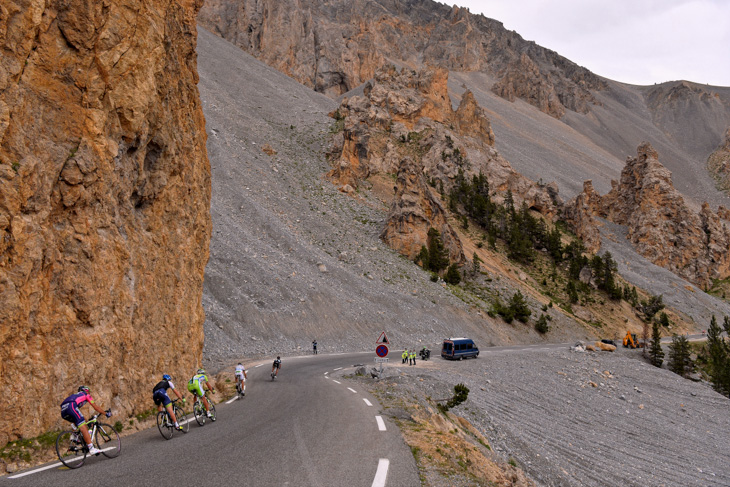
(334,46)
(580,213)
(719,164)
(414,211)
(661,226)
(104,204)
(404,124)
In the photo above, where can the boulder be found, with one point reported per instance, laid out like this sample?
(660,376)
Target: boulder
(606,347)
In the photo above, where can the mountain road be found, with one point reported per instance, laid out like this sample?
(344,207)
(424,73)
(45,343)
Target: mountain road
(302,429)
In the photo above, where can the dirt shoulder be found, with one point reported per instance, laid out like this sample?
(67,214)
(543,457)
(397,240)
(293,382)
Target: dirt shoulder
(564,418)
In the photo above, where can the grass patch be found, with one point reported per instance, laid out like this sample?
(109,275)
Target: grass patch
(26,448)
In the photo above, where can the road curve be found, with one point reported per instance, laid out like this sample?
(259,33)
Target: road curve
(301,430)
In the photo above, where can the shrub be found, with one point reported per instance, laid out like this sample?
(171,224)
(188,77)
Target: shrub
(461,393)
(542,324)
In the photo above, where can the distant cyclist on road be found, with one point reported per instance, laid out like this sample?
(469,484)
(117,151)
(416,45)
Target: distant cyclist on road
(70,412)
(198,385)
(314,347)
(241,377)
(276,367)
(160,397)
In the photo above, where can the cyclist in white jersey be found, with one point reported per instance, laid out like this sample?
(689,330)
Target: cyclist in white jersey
(241,377)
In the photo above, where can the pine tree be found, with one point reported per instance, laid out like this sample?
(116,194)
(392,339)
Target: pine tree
(656,354)
(664,320)
(717,357)
(680,361)
(572,292)
(554,245)
(475,264)
(438,256)
(519,308)
(453,276)
(652,306)
(423,258)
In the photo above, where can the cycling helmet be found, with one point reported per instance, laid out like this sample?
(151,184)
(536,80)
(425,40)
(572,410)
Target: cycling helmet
(84,389)
(201,371)
(166,377)
(278,357)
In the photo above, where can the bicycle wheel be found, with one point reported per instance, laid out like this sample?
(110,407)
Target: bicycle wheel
(71,452)
(182,419)
(212,410)
(164,425)
(108,441)
(199,412)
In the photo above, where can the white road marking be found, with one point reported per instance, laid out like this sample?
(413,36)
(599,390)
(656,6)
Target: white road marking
(257,366)
(382,473)
(367,402)
(336,382)
(381,423)
(326,373)
(326,376)
(47,467)
(338,368)
(351,389)
(228,402)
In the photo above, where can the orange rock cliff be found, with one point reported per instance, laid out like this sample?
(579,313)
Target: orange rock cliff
(104,204)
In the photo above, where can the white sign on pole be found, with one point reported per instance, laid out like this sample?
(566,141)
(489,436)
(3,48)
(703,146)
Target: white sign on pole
(379,360)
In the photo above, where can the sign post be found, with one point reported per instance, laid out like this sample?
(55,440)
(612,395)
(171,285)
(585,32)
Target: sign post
(381,351)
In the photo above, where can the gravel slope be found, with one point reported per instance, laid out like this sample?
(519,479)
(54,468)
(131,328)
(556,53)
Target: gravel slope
(291,258)
(639,425)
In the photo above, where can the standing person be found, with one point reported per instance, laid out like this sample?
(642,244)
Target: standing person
(404,356)
(314,346)
(415,354)
(275,367)
(70,412)
(198,385)
(241,377)
(160,398)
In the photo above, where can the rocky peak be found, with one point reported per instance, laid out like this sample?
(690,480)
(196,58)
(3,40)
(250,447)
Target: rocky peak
(661,226)
(334,46)
(719,163)
(471,120)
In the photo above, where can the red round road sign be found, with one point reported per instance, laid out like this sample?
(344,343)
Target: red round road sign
(381,351)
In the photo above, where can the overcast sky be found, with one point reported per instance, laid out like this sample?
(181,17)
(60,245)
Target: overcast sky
(633,41)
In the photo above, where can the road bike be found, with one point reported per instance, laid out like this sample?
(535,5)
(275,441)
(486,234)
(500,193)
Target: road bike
(165,423)
(240,387)
(71,447)
(199,410)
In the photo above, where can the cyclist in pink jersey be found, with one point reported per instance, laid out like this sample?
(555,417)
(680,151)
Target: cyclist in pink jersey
(70,412)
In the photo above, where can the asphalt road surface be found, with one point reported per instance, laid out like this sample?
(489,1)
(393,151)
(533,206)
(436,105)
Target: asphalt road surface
(304,429)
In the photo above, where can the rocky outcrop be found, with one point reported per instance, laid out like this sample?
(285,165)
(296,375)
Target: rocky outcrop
(580,213)
(104,204)
(660,225)
(404,124)
(334,46)
(414,211)
(719,164)
(523,79)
